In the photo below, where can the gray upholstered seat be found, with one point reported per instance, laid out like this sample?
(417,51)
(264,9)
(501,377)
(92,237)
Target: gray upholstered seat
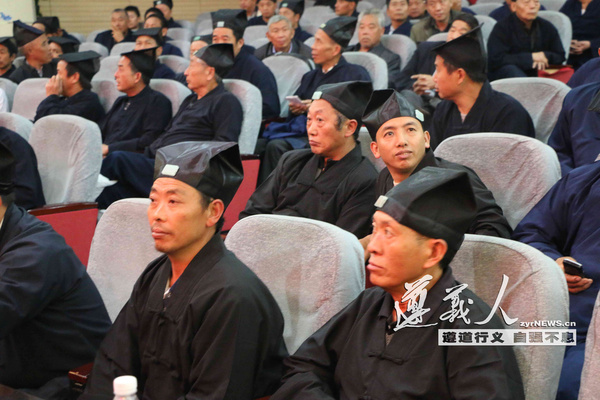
(28,96)
(487,24)
(251,100)
(288,71)
(541,97)
(97,47)
(106,89)
(365,147)
(485,8)
(590,384)
(69,154)
(310,41)
(183,45)
(92,36)
(79,36)
(180,34)
(536,291)
(316,15)
(401,45)
(518,170)
(438,37)
(563,25)
(175,91)
(9,88)
(176,63)
(553,5)
(258,42)
(16,123)
(108,67)
(312,268)
(122,47)
(186,24)
(375,65)
(19,61)
(204,27)
(121,249)
(255,32)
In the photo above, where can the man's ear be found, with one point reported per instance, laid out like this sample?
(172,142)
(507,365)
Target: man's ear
(375,150)
(513,6)
(351,128)
(437,251)
(216,208)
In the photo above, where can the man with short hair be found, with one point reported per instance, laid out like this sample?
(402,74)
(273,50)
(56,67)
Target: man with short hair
(166,7)
(386,343)
(8,53)
(439,19)
(293,10)
(370,30)
(149,39)
(397,11)
(51,26)
(199,324)
(157,20)
(250,7)
(281,40)
(118,32)
(266,8)
(134,20)
(34,46)
(346,8)
(60,45)
(417,9)
(331,182)
(69,91)
(505,10)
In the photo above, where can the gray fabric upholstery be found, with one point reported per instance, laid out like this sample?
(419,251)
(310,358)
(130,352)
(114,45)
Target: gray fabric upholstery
(205,16)
(175,91)
(19,61)
(176,63)
(255,32)
(28,96)
(121,249)
(401,45)
(16,123)
(312,268)
(79,36)
(485,8)
(364,5)
(9,88)
(518,170)
(258,42)
(69,154)
(365,146)
(487,24)
(316,15)
(375,65)
(541,97)
(92,36)
(251,100)
(310,41)
(438,37)
(180,34)
(122,47)
(97,47)
(183,45)
(536,291)
(106,89)
(288,72)
(553,5)
(186,24)
(590,384)
(204,27)
(108,67)
(563,25)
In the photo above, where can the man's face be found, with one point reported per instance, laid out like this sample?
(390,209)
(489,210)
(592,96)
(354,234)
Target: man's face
(401,144)
(225,35)
(324,137)
(176,216)
(526,10)
(125,77)
(153,22)
(133,20)
(416,8)
(267,8)
(398,10)
(289,14)
(39,50)
(458,28)
(324,48)
(248,5)
(446,84)
(344,8)
(144,42)
(369,32)
(118,21)
(195,46)
(280,34)
(55,49)
(439,9)
(165,10)
(6,58)
(61,71)
(197,75)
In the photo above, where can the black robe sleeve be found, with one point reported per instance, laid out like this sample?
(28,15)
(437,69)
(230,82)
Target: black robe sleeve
(83,106)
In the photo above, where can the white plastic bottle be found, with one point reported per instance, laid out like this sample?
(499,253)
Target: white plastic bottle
(125,388)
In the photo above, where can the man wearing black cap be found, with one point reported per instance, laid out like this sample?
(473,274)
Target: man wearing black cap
(138,118)
(470,105)
(439,18)
(118,32)
(199,324)
(210,113)
(375,348)
(281,41)
(331,182)
(166,7)
(150,39)
(266,8)
(59,46)
(346,8)
(51,26)
(8,53)
(53,318)
(69,91)
(157,20)
(34,46)
(293,10)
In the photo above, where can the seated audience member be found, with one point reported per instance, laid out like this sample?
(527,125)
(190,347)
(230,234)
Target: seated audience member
(523,43)
(585,21)
(198,42)
(565,225)
(51,26)
(8,53)
(134,20)
(70,90)
(281,40)
(505,10)
(397,11)
(293,10)
(417,9)
(370,30)
(53,318)
(439,19)
(59,46)
(470,104)
(228,27)
(220,328)
(118,32)
(332,182)
(210,113)
(372,349)
(346,8)
(34,46)
(588,73)
(266,8)
(28,192)
(150,39)
(332,67)
(137,119)
(166,7)
(157,20)
(250,7)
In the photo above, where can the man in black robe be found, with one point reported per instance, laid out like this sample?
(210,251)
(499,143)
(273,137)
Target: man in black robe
(34,46)
(166,7)
(152,38)
(210,113)
(385,345)
(157,20)
(118,32)
(53,318)
(281,41)
(199,324)
(293,10)
(331,182)
(8,53)
(69,91)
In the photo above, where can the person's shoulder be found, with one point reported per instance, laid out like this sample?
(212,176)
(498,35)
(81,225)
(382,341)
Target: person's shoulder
(421,24)
(545,24)
(296,156)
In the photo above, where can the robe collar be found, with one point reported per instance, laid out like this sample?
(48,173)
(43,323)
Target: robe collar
(328,179)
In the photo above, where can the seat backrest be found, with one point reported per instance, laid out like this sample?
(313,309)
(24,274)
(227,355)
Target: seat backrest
(9,88)
(365,146)
(364,5)
(121,249)
(28,96)
(19,61)
(323,269)
(485,8)
(316,15)
(258,42)
(180,34)
(518,170)
(204,27)
(108,67)
(69,154)
(79,36)
(175,91)
(16,123)
(310,41)
(401,45)
(438,37)
(251,100)
(106,89)
(536,291)
(288,71)
(375,66)
(487,24)
(590,385)
(176,63)
(183,45)
(122,47)
(186,24)
(97,47)
(255,32)
(553,5)
(92,36)
(563,25)
(541,97)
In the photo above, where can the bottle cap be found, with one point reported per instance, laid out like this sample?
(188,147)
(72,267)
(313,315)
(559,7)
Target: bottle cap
(125,385)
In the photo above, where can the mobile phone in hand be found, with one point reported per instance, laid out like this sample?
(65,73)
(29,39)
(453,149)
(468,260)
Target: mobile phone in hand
(573,268)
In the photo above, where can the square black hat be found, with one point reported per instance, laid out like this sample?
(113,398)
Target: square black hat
(52,24)
(7,170)
(297,6)
(86,62)
(340,29)
(213,168)
(24,33)
(143,60)
(9,43)
(385,105)
(466,52)
(349,98)
(168,3)
(204,38)
(219,56)
(67,45)
(155,33)
(436,202)
(236,20)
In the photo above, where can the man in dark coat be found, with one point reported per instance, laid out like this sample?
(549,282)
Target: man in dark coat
(118,32)
(157,20)
(397,11)
(439,19)
(293,10)
(152,38)
(199,323)
(51,26)
(266,9)
(585,22)
(8,53)
(166,7)
(281,40)
(34,45)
